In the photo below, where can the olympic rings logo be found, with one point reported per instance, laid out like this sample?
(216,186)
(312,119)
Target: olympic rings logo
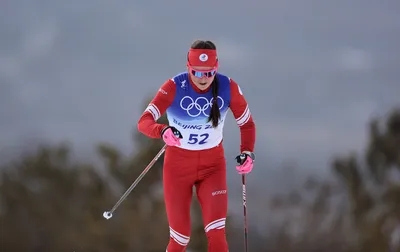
(198,106)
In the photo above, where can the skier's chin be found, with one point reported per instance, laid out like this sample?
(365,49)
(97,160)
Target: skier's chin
(202,85)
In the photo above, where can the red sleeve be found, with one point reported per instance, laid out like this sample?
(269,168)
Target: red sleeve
(244,119)
(147,123)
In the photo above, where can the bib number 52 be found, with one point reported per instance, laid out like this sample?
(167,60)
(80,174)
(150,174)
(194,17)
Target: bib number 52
(198,139)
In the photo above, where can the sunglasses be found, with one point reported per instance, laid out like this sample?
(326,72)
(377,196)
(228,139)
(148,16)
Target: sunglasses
(203,73)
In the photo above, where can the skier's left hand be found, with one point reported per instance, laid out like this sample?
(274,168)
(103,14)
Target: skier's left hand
(245,162)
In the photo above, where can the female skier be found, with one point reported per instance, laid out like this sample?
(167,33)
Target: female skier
(196,102)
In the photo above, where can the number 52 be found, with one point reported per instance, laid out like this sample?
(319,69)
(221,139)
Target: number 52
(196,138)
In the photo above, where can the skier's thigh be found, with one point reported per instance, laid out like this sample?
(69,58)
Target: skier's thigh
(178,187)
(213,198)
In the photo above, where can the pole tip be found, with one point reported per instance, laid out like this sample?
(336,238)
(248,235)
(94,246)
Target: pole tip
(107,215)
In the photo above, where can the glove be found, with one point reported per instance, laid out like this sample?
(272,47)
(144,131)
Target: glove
(171,136)
(245,162)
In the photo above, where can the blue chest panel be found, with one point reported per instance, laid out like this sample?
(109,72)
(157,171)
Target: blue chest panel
(190,106)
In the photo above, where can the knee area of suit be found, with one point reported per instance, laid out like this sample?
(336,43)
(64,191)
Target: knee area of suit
(173,246)
(217,240)
(216,234)
(177,249)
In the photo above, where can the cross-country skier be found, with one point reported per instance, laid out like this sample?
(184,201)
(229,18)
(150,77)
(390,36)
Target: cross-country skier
(196,102)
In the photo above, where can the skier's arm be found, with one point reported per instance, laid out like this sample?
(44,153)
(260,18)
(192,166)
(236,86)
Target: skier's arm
(244,119)
(147,123)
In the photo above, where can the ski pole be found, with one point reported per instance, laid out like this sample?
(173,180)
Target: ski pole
(245,212)
(109,214)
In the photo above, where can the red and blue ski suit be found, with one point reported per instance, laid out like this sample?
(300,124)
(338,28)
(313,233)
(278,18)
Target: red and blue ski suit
(200,160)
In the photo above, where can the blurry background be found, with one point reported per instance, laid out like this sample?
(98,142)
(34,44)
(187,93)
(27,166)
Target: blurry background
(322,81)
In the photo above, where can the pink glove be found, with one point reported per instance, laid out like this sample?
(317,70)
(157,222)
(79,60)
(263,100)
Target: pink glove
(171,136)
(245,162)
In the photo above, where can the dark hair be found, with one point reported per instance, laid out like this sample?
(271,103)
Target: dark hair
(215,114)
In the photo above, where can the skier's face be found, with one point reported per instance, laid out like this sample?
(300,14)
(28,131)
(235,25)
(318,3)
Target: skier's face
(201,82)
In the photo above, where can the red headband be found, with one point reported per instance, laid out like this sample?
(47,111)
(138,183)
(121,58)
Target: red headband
(202,57)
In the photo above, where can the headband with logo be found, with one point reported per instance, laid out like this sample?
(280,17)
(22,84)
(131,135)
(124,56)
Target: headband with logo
(202,57)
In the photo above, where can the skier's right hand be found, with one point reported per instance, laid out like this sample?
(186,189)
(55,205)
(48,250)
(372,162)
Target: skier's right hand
(171,136)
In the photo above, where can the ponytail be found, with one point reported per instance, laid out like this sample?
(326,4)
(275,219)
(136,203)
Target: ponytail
(215,114)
